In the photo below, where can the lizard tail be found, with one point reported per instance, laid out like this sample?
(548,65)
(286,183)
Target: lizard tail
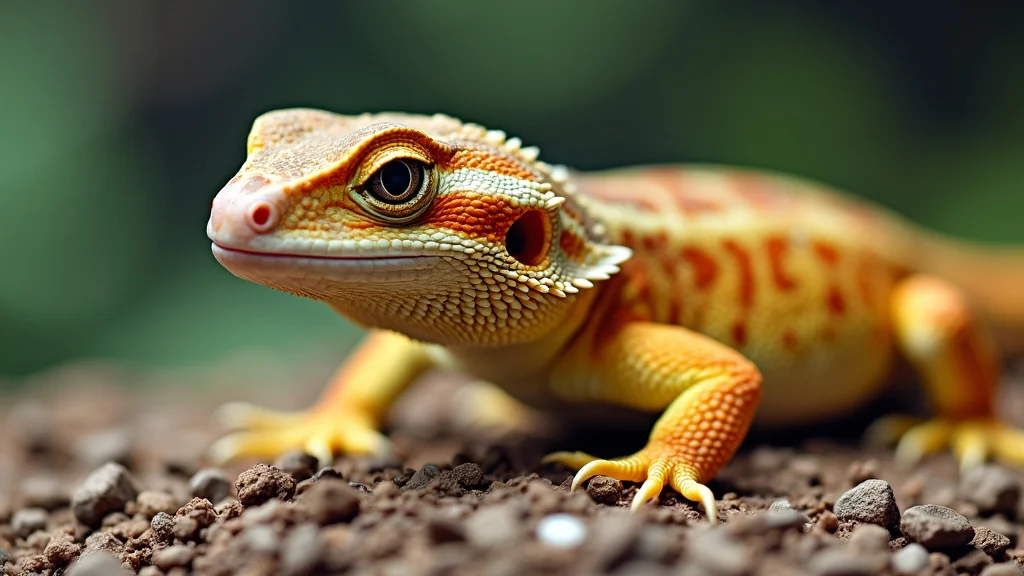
(992,275)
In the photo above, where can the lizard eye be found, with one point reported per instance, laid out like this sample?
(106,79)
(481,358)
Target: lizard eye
(398,191)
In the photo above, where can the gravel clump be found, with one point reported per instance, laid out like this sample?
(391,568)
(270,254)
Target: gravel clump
(604,490)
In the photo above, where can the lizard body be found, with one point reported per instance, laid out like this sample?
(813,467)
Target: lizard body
(710,295)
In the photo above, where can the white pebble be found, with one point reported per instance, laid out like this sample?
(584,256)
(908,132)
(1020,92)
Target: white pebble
(561,531)
(910,559)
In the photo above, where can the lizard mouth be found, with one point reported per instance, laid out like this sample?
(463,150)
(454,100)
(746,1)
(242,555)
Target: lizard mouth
(219,250)
(283,269)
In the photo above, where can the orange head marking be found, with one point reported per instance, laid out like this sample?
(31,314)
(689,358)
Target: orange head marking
(422,224)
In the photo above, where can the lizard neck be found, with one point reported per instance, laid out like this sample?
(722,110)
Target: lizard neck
(522,368)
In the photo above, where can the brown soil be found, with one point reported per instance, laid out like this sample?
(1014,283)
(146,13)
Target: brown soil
(95,474)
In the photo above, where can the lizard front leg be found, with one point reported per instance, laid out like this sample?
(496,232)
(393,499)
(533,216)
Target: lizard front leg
(708,391)
(347,417)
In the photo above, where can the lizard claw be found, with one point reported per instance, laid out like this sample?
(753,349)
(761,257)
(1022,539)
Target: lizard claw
(268,433)
(972,441)
(654,471)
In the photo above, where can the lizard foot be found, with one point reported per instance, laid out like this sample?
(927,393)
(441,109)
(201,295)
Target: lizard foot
(654,468)
(972,441)
(266,433)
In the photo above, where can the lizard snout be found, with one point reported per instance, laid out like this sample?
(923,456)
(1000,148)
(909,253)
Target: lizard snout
(239,215)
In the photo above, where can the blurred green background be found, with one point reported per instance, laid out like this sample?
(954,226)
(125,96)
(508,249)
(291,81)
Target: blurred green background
(122,119)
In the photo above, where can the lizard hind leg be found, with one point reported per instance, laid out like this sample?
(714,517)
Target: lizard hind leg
(955,355)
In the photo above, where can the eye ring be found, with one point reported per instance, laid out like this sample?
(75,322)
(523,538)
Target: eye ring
(398,191)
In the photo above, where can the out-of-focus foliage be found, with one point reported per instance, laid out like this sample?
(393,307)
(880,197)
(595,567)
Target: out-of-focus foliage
(121,120)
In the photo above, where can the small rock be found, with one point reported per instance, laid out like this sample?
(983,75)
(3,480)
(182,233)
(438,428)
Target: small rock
(103,542)
(150,502)
(972,562)
(210,483)
(422,478)
(302,550)
(990,541)
(28,520)
(176,556)
(936,527)
(106,490)
(262,539)
(98,448)
(780,505)
(828,522)
(297,463)
(442,530)
(100,563)
(468,475)
(869,538)
(330,500)
(261,483)
(493,526)
(604,490)
(200,510)
(910,559)
(561,531)
(163,526)
(717,552)
(44,491)
(846,562)
(871,501)
(993,489)
(1002,569)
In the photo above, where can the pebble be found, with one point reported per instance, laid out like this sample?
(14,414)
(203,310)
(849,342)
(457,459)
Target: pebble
(163,526)
(150,502)
(493,526)
(910,559)
(992,542)
(106,490)
(100,563)
(872,501)
(298,463)
(846,562)
(604,490)
(468,475)
(936,527)
(1002,569)
(992,488)
(561,531)
(262,539)
(302,550)
(43,491)
(261,483)
(28,520)
(331,500)
(98,448)
(210,483)
(176,556)
(828,522)
(869,538)
(422,478)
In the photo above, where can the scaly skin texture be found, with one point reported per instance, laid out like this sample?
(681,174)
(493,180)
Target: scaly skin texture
(712,296)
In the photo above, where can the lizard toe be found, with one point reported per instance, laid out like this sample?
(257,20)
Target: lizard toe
(972,441)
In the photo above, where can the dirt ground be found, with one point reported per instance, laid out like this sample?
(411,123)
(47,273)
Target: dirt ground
(102,471)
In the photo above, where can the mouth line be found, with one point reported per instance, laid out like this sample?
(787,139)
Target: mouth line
(284,255)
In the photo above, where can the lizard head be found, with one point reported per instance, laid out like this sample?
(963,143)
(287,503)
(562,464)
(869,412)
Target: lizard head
(441,230)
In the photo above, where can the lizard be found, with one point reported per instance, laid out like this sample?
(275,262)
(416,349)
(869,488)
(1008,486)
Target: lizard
(718,297)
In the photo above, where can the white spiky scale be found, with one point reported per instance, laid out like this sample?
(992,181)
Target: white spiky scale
(529,153)
(513,144)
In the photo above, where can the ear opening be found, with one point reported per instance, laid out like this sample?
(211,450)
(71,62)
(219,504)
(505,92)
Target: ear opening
(529,238)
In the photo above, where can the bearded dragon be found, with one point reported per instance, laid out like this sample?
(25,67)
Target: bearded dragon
(716,297)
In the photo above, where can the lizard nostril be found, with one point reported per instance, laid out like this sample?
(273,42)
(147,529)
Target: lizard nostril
(262,217)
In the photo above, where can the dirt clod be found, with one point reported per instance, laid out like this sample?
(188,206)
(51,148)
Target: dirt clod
(261,483)
(604,490)
(992,542)
(871,501)
(150,502)
(936,527)
(330,500)
(106,490)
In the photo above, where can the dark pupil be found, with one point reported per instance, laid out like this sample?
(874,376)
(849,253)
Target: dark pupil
(395,178)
